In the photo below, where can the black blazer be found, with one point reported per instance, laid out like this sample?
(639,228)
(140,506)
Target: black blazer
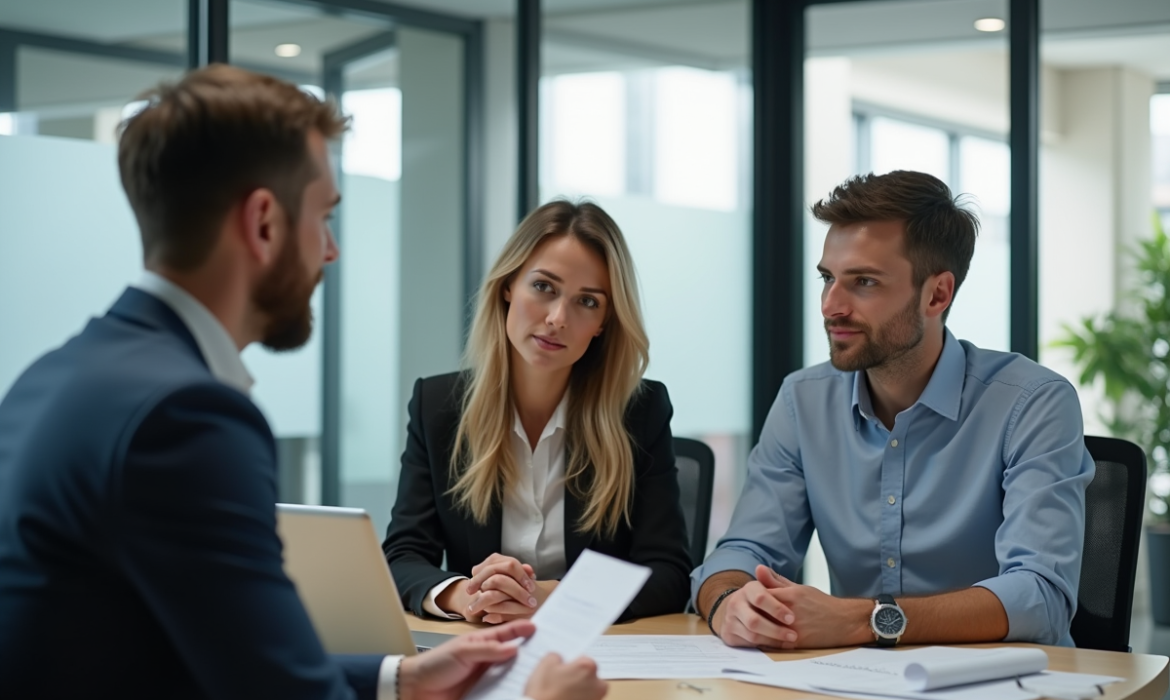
(138,547)
(426,523)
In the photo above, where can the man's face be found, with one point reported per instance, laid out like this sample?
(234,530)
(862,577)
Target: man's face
(873,311)
(284,293)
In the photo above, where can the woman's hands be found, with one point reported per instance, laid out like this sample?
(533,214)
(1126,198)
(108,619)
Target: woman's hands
(500,589)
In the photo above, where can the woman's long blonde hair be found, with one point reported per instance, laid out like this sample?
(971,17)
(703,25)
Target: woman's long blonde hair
(599,457)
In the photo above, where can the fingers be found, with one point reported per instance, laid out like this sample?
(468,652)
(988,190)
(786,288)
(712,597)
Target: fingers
(585,665)
(488,651)
(751,619)
(766,603)
(498,564)
(520,629)
(509,607)
(511,587)
(771,579)
(491,600)
(500,617)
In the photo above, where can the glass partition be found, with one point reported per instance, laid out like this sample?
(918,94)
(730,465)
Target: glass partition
(69,244)
(646,111)
(400,228)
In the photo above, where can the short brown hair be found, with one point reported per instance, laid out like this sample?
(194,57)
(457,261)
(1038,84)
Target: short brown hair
(940,235)
(204,143)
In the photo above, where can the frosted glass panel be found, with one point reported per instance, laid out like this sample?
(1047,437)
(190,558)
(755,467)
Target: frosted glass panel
(586,133)
(660,138)
(696,308)
(897,145)
(68,244)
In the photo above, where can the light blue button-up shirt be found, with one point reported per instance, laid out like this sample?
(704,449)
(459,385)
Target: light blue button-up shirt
(980,483)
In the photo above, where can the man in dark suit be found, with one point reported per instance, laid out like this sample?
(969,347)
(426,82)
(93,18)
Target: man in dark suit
(138,549)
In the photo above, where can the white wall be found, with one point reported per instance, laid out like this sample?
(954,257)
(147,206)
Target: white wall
(1094,202)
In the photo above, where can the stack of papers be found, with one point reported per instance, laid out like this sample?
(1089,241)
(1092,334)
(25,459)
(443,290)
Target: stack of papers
(648,656)
(930,673)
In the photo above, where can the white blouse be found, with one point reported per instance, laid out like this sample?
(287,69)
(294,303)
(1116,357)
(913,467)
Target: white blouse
(533,523)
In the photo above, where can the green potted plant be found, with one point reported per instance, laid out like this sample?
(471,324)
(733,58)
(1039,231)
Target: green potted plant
(1129,352)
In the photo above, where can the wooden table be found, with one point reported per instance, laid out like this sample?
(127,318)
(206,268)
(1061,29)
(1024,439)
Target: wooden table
(1146,676)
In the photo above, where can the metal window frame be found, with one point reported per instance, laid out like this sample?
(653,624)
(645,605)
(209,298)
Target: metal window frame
(777,63)
(396,15)
(778,318)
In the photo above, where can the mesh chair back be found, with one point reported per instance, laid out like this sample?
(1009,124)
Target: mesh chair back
(1113,522)
(696,482)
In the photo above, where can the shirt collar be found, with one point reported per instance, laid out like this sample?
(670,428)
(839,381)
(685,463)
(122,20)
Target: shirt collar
(943,393)
(218,349)
(557,422)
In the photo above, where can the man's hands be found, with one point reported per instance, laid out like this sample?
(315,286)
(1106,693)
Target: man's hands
(449,670)
(772,611)
(555,680)
(500,589)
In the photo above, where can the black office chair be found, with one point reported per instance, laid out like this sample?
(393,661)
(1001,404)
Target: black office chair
(696,482)
(1113,524)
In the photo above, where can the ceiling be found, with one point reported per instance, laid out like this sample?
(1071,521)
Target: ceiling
(604,34)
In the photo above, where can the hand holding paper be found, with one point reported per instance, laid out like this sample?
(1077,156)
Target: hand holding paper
(592,595)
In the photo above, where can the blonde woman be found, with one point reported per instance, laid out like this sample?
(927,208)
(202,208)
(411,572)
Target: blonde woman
(549,443)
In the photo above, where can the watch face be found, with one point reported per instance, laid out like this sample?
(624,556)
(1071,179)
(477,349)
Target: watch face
(889,621)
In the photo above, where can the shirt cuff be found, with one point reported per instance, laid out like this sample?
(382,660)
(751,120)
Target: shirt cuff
(433,608)
(1026,608)
(388,678)
(718,561)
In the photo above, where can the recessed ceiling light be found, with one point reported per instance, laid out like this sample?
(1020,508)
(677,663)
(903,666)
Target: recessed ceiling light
(291,50)
(990,24)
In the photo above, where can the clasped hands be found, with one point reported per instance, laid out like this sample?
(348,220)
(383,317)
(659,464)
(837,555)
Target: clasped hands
(501,589)
(773,612)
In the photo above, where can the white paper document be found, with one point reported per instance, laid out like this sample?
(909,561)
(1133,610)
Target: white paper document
(646,656)
(930,673)
(586,602)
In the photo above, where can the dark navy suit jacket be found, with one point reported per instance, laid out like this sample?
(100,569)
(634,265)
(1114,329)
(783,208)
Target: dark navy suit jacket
(138,546)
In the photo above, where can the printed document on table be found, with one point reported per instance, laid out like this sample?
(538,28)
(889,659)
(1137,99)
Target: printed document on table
(586,602)
(887,673)
(646,656)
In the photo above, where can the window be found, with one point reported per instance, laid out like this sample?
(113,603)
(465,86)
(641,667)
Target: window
(975,167)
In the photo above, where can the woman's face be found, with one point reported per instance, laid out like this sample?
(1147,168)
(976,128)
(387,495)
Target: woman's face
(557,303)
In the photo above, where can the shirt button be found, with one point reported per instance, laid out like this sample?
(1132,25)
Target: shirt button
(890,562)
(894,443)
(891,500)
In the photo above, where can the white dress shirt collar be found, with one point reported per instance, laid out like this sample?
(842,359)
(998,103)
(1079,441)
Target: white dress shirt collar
(216,345)
(557,422)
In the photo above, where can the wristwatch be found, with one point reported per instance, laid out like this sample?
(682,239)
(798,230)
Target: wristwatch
(887,621)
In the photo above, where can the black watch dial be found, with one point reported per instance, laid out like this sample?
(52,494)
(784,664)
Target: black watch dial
(888,621)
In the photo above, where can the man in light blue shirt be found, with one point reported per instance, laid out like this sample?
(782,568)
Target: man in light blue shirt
(946,483)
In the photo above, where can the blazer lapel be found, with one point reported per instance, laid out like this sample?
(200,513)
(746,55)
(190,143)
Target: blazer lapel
(484,540)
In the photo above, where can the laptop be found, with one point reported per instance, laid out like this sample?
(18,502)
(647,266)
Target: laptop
(335,559)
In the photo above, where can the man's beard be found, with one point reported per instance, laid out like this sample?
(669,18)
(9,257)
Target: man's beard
(283,296)
(901,334)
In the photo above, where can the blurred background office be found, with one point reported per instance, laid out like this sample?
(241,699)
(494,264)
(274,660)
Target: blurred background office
(704,127)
